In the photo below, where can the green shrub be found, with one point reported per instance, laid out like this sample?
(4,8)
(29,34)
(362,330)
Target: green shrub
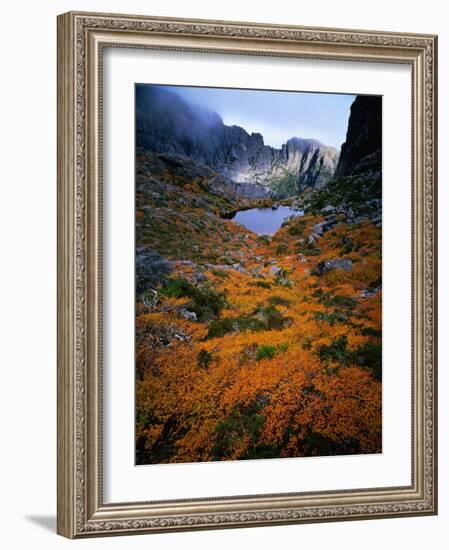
(265,352)
(368,356)
(285,185)
(281,248)
(307,344)
(296,227)
(332,300)
(316,444)
(283,347)
(263,239)
(220,273)
(370,331)
(331,318)
(204,359)
(343,301)
(337,351)
(354,191)
(177,288)
(278,301)
(312,252)
(240,422)
(220,327)
(207,303)
(272,317)
(263,318)
(261,284)
(347,245)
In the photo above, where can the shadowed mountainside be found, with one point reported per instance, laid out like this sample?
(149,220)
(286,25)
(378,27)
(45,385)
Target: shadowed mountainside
(357,185)
(363,138)
(167,123)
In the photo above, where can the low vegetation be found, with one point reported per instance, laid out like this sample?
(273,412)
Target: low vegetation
(247,351)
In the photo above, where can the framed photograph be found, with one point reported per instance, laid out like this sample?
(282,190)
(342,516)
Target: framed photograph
(246,274)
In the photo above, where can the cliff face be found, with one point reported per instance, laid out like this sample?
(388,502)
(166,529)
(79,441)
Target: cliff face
(364,136)
(299,163)
(166,123)
(356,187)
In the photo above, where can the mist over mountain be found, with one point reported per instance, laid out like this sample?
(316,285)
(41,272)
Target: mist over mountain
(167,123)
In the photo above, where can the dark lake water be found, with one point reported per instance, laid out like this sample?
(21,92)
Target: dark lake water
(265,221)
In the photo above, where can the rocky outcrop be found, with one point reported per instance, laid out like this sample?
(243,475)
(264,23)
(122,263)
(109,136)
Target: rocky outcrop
(355,191)
(152,269)
(166,123)
(363,143)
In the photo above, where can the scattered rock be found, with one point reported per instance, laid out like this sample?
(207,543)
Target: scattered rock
(198,277)
(239,268)
(224,267)
(187,263)
(275,270)
(182,337)
(328,265)
(194,273)
(284,281)
(319,228)
(189,315)
(327,209)
(370,291)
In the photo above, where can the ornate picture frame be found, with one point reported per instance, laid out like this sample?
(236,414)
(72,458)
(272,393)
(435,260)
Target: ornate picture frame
(82,39)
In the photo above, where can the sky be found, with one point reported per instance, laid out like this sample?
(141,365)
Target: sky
(278,116)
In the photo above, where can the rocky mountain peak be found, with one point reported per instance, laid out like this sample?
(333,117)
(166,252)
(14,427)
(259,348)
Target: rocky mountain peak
(167,123)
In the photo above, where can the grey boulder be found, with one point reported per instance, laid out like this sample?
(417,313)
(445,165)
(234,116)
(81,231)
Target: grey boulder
(329,265)
(152,269)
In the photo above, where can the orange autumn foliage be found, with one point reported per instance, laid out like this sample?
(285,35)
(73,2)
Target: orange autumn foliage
(289,366)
